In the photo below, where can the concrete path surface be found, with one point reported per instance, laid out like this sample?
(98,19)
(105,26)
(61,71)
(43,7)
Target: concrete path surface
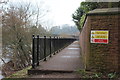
(69,59)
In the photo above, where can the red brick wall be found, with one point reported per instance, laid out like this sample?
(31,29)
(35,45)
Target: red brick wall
(101,57)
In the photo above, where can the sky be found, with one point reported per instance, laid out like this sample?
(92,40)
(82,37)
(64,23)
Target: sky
(59,11)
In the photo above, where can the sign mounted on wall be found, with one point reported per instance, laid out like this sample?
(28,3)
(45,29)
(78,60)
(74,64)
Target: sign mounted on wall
(99,36)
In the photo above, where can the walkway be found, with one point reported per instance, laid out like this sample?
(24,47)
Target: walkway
(67,60)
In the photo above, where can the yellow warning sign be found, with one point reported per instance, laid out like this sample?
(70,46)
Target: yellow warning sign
(99,36)
(101,32)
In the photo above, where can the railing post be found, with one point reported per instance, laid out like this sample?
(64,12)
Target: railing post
(44,48)
(50,47)
(33,51)
(54,45)
(57,43)
(38,50)
(60,43)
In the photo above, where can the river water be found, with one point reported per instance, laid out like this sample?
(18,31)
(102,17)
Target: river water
(1,63)
(1,76)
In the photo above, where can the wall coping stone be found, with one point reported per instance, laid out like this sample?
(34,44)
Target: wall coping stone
(104,11)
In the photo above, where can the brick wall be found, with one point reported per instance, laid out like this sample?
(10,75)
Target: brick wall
(101,57)
(119,41)
(84,41)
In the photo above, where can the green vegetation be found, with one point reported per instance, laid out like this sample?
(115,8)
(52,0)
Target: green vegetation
(77,17)
(20,74)
(82,20)
(85,7)
(86,74)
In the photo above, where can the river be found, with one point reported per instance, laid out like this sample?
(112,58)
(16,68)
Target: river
(1,76)
(1,63)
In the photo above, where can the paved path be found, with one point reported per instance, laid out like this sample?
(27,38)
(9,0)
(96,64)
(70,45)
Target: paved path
(69,59)
(61,65)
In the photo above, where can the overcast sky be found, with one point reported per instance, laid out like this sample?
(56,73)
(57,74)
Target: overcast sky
(59,11)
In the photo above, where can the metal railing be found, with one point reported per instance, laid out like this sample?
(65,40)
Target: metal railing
(43,47)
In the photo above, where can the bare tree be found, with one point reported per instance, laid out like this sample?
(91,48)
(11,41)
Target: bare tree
(17,32)
(16,35)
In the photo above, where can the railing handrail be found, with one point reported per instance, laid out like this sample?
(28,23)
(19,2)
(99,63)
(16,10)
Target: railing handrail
(56,37)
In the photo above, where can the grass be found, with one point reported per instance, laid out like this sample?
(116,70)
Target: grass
(86,74)
(20,74)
